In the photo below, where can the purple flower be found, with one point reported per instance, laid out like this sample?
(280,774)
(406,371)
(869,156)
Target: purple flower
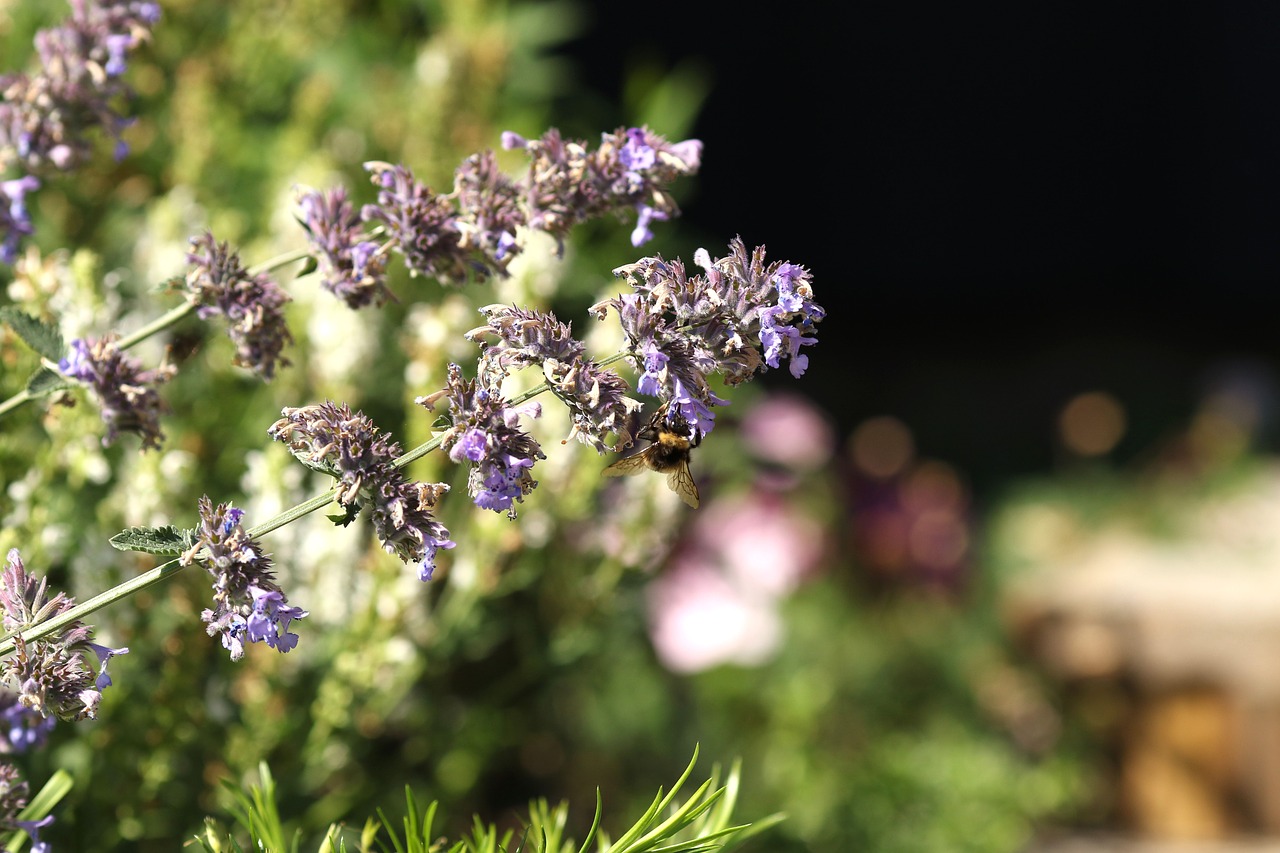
(32,828)
(422,224)
(351,268)
(403,523)
(251,304)
(328,437)
(15,223)
(24,728)
(269,621)
(486,432)
(51,675)
(104,654)
(655,369)
(642,233)
(596,397)
(637,155)
(248,603)
(739,318)
(47,118)
(568,183)
(489,212)
(126,392)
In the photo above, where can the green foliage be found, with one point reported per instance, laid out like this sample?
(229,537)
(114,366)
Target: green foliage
(700,823)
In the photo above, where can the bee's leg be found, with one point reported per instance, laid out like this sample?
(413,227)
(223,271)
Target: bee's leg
(697,437)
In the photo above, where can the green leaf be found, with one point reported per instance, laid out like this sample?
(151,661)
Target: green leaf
(45,381)
(42,337)
(167,540)
(308,267)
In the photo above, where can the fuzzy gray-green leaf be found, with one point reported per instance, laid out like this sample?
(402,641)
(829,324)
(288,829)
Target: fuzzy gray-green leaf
(167,540)
(42,337)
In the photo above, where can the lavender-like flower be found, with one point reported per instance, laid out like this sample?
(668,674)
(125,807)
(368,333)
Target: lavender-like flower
(46,118)
(596,396)
(51,675)
(739,318)
(489,213)
(15,223)
(486,432)
(126,393)
(568,183)
(22,728)
(352,268)
(248,603)
(473,231)
(353,449)
(422,224)
(251,304)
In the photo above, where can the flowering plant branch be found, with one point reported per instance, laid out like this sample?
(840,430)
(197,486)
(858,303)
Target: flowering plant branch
(685,333)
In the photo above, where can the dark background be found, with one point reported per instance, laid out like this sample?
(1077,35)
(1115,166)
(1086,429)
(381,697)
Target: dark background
(1002,206)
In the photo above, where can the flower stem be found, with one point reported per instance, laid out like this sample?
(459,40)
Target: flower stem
(15,401)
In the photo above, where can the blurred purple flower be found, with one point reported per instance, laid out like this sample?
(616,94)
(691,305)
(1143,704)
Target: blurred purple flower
(251,304)
(718,601)
(352,268)
(15,223)
(46,118)
(51,675)
(789,430)
(126,393)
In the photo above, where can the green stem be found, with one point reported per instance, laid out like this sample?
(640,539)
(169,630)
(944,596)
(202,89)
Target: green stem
(157,325)
(15,401)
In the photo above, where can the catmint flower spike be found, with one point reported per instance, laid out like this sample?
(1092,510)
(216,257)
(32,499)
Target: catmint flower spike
(249,605)
(362,457)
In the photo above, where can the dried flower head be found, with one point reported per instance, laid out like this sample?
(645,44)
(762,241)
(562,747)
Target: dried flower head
(248,603)
(487,434)
(126,393)
(329,438)
(52,675)
(596,396)
(251,304)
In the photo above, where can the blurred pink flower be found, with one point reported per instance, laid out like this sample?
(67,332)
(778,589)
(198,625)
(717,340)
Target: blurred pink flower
(761,542)
(788,429)
(699,619)
(717,602)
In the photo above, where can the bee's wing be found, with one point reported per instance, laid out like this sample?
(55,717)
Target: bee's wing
(633,464)
(681,482)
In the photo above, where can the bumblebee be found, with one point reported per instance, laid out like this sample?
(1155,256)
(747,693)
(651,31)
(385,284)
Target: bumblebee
(668,451)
